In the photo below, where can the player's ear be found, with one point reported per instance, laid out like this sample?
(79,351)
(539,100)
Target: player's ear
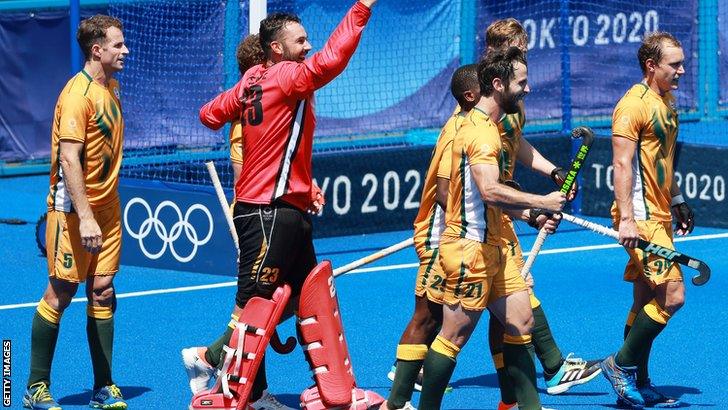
(469,95)
(276,47)
(651,65)
(96,50)
(498,85)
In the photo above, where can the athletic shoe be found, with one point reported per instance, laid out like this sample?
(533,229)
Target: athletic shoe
(268,402)
(573,371)
(198,372)
(623,382)
(653,398)
(38,397)
(107,398)
(506,406)
(418,381)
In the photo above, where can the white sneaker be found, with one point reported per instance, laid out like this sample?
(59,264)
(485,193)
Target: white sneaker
(198,372)
(407,406)
(268,402)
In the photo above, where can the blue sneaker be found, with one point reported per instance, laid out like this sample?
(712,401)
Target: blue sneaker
(573,371)
(107,398)
(38,397)
(623,382)
(653,398)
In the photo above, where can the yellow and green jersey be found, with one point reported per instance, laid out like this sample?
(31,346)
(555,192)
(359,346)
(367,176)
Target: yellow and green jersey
(476,142)
(430,220)
(651,121)
(236,142)
(510,128)
(89,113)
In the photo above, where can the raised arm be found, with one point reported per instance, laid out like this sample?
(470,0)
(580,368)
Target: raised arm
(301,79)
(495,193)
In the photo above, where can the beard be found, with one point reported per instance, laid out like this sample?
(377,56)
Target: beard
(510,103)
(288,55)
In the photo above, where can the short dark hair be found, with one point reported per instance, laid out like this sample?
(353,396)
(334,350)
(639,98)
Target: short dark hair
(464,79)
(498,64)
(249,53)
(93,31)
(271,26)
(651,48)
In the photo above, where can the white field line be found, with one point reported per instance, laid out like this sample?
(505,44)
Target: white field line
(360,270)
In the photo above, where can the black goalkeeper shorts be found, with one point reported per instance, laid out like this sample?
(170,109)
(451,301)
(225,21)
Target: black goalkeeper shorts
(276,246)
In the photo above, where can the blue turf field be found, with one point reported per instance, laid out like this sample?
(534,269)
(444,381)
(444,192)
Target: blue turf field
(581,290)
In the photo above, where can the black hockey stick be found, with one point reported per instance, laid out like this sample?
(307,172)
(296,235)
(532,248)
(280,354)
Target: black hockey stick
(587,138)
(670,254)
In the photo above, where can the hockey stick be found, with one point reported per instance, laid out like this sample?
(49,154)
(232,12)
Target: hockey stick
(670,254)
(275,340)
(373,257)
(587,138)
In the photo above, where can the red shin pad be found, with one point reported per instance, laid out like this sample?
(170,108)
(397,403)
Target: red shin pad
(244,353)
(323,341)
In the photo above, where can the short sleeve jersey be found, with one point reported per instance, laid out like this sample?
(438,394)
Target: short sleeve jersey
(651,121)
(430,220)
(467,216)
(236,143)
(89,113)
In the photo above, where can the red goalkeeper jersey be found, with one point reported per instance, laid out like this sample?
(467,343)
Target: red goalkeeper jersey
(276,108)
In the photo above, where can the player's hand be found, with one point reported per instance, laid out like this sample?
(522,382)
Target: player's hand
(554,201)
(90,232)
(317,200)
(368,3)
(685,221)
(628,233)
(558,175)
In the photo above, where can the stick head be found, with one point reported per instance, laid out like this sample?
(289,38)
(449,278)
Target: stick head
(583,132)
(704,272)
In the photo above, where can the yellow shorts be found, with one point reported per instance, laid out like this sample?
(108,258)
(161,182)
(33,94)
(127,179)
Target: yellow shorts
(68,260)
(654,269)
(430,280)
(470,268)
(509,280)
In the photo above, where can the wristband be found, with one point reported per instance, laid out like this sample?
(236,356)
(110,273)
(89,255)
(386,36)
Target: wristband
(677,200)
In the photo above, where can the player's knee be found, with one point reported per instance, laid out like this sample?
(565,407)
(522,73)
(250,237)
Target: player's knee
(103,296)
(674,302)
(520,325)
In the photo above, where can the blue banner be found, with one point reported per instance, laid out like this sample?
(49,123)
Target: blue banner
(603,42)
(174,226)
(703,183)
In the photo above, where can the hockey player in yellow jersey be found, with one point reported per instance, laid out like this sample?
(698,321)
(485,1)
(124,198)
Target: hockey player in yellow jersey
(83,238)
(644,134)
(471,254)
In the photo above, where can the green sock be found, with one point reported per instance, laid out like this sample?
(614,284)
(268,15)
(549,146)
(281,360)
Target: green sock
(44,336)
(404,382)
(644,331)
(260,383)
(626,331)
(643,372)
(438,369)
(214,351)
(100,333)
(495,342)
(547,351)
(522,371)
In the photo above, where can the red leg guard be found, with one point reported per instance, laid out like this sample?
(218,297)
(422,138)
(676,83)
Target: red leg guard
(322,337)
(243,354)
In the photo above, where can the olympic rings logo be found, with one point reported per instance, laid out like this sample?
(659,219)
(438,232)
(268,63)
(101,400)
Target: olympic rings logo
(168,237)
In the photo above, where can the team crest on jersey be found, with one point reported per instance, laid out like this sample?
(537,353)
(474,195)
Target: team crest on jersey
(267,213)
(486,148)
(72,123)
